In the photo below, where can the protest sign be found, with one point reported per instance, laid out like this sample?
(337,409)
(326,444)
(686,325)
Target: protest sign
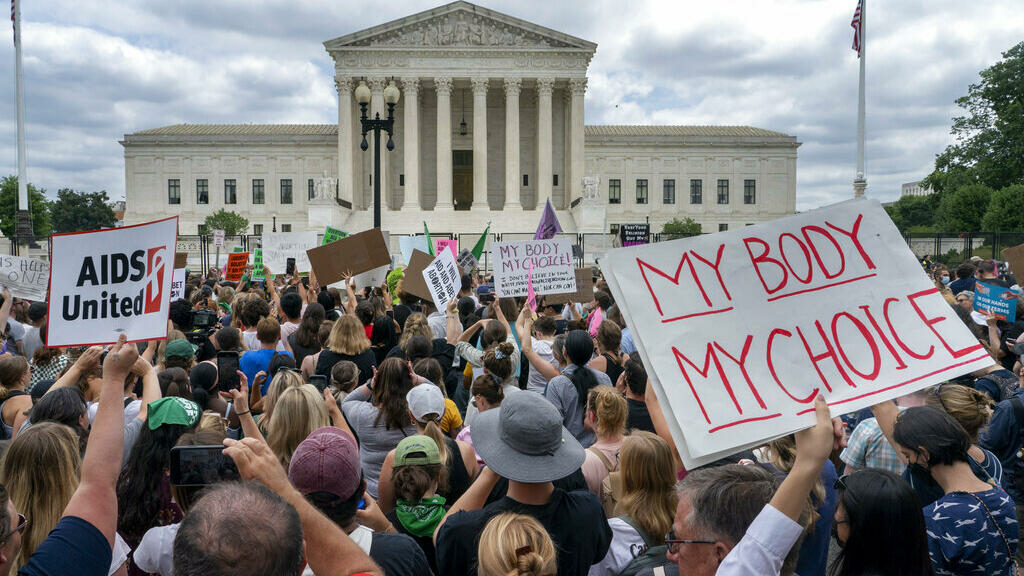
(181,260)
(372,278)
(110,282)
(237,249)
(237,261)
(446,243)
(26,277)
(332,235)
(635,234)
(413,281)
(552,262)
(443,278)
(349,256)
(409,243)
(218,238)
(1015,258)
(178,284)
(467,261)
(995,299)
(584,289)
(741,330)
(257,265)
(278,247)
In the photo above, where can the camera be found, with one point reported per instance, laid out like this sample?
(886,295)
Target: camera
(203,321)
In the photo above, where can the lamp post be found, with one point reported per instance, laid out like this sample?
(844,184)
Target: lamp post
(391,95)
(274,225)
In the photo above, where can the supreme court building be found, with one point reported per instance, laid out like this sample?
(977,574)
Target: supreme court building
(489,125)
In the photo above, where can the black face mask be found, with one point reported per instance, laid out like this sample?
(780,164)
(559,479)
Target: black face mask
(835,535)
(917,469)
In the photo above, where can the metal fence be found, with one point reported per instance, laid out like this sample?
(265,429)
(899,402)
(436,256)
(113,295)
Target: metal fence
(952,249)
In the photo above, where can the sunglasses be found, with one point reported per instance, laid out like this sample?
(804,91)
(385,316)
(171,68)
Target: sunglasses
(22,523)
(673,543)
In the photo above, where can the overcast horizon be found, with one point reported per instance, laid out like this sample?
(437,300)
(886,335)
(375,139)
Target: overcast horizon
(95,71)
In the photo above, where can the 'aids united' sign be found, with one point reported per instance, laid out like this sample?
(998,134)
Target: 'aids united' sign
(106,282)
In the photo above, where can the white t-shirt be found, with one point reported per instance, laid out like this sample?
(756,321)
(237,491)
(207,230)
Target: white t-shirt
(362,536)
(155,553)
(119,554)
(626,544)
(537,381)
(567,312)
(252,341)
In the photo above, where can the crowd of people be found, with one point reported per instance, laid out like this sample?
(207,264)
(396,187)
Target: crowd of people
(371,432)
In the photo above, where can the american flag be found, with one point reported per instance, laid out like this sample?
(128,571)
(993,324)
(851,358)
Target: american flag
(855,23)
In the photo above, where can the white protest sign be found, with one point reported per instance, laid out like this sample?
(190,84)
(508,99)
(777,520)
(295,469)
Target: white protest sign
(443,279)
(26,277)
(552,267)
(218,238)
(178,285)
(741,330)
(108,282)
(409,243)
(278,247)
(373,278)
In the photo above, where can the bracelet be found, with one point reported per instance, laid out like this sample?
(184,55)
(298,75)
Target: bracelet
(241,413)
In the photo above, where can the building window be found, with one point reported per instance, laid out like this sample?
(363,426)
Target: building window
(286,191)
(554,179)
(723,227)
(286,227)
(526,180)
(401,179)
(614,229)
(641,191)
(258,196)
(229,192)
(615,191)
(174,191)
(257,229)
(669,192)
(310,184)
(749,192)
(696,191)
(723,191)
(202,230)
(202,191)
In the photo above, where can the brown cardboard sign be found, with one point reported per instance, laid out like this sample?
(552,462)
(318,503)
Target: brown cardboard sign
(584,289)
(180,260)
(412,279)
(1015,257)
(349,256)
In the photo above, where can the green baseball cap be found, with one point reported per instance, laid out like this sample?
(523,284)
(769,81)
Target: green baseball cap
(417,450)
(173,410)
(180,348)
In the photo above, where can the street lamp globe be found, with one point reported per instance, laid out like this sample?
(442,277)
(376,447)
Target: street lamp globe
(362,93)
(391,94)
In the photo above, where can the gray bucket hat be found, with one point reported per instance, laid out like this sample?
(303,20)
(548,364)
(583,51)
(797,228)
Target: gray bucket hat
(524,440)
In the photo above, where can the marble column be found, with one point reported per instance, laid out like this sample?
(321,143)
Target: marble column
(512,86)
(577,87)
(379,109)
(411,142)
(345,183)
(444,144)
(479,144)
(544,178)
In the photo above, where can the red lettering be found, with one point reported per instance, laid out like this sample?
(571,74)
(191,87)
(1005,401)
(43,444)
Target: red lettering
(896,336)
(705,372)
(763,257)
(931,322)
(715,267)
(673,279)
(885,340)
(817,256)
(771,367)
(807,257)
(743,368)
(852,234)
(875,356)
(829,353)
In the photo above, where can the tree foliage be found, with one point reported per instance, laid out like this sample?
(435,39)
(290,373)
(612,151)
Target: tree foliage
(912,212)
(80,211)
(230,222)
(38,206)
(961,210)
(1005,210)
(675,228)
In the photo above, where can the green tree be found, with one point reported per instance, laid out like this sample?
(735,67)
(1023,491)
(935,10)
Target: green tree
(675,228)
(230,222)
(38,206)
(80,211)
(988,145)
(961,210)
(1004,212)
(912,212)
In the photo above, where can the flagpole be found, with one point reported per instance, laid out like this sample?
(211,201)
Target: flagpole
(24,227)
(861,183)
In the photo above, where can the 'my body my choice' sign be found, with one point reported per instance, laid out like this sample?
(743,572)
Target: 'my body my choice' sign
(552,267)
(741,330)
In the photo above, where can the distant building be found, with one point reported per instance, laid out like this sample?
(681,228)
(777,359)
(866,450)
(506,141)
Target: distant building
(914,189)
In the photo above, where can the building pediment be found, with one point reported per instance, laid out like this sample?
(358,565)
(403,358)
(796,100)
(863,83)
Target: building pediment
(460,25)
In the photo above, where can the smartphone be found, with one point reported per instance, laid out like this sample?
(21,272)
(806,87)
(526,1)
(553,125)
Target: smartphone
(201,466)
(320,381)
(227,371)
(289,269)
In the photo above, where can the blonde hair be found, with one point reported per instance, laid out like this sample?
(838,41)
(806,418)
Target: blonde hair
(970,407)
(610,410)
(415,325)
(432,429)
(41,470)
(210,420)
(12,374)
(348,336)
(648,483)
(782,455)
(283,380)
(299,411)
(515,545)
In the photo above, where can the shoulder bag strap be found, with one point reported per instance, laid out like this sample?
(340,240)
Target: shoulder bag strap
(604,459)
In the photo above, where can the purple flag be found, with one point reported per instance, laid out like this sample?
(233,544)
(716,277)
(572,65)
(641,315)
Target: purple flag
(549,225)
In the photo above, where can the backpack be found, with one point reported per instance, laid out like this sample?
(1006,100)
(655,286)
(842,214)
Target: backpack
(1007,384)
(652,557)
(611,486)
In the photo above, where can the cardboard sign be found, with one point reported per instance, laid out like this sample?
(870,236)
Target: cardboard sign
(218,238)
(278,247)
(584,289)
(413,281)
(552,267)
(108,282)
(409,243)
(332,235)
(443,279)
(995,299)
(27,278)
(257,265)
(441,244)
(178,284)
(353,255)
(635,234)
(467,261)
(235,268)
(181,260)
(1015,258)
(741,330)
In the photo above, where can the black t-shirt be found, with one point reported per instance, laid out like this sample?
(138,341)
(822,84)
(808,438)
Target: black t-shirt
(574,520)
(300,352)
(365,362)
(398,554)
(426,543)
(639,418)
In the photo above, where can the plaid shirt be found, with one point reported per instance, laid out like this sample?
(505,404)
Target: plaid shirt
(868,448)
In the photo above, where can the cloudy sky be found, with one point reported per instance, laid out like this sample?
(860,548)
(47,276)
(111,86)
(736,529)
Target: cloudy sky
(97,69)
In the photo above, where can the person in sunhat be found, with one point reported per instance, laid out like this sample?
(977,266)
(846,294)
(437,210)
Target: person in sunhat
(525,442)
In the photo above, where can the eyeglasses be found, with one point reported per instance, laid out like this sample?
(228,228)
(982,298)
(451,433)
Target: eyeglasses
(673,543)
(22,522)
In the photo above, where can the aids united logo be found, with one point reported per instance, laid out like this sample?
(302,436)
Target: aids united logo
(111,270)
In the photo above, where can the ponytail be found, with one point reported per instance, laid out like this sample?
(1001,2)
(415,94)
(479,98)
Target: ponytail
(433,431)
(579,349)
(202,398)
(498,360)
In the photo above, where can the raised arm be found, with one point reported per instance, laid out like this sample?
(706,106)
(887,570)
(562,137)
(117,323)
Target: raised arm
(5,309)
(89,359)
(472,499)
(150,387)
(468,334)
(350,292)
(241,413)
(524,328)
(813,446)
(453,327)
(886,414)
